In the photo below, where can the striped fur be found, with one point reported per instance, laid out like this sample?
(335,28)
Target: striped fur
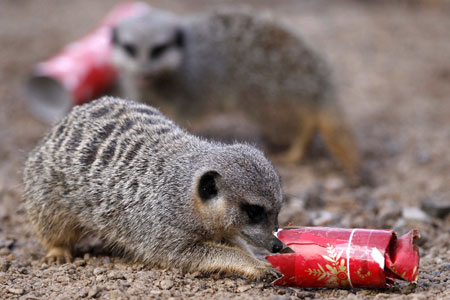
(122,171)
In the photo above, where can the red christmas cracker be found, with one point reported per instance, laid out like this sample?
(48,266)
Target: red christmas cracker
(80,72)
(346,258)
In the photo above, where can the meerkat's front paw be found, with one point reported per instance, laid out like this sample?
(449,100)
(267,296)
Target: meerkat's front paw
(59,255)
(271,274)
(264,272)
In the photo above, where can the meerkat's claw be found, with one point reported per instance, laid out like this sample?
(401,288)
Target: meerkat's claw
(265,272)
(59,255)
(272,274)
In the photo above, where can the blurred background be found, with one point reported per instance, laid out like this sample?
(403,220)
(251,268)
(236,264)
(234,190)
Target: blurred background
(391,62)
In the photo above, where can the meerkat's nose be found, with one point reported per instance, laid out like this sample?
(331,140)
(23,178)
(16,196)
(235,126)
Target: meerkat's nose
(277,246)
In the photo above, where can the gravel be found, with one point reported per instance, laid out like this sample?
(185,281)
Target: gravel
(392,67)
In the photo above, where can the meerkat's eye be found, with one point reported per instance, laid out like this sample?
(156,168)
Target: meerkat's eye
(157,51)
(130,49)
(256,213)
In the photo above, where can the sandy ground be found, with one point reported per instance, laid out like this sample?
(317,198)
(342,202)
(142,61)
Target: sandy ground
(392,64)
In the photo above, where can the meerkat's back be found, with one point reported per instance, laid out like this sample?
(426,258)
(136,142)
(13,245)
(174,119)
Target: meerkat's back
(249,55)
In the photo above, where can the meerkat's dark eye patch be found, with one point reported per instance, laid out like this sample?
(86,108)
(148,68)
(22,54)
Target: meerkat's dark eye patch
(256,213)
(178,41)
(179,38)
(130,49)
(207,186)
(157,51)
(114,36)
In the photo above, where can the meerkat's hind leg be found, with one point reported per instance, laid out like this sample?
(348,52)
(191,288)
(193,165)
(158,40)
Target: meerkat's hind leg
(300,144)
(58,254)
(212,257)
(340,141)
(60,247)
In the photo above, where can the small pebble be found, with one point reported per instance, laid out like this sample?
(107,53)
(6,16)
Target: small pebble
(115,275)
(156,292)
(229,283)
(79,263)
(415,214)
(83,293)
(303,295)
(278,297)
(334,184)
(94,292)
(125,284)
(16,291)
(98,271)
(5,252)
(7,243)
(30,297)
(166,284)
(243,288)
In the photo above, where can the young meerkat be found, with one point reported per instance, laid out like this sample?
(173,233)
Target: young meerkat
(232,60)
(122,171)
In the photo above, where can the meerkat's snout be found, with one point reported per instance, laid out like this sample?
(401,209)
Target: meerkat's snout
(277,246)
(148,48)
(264,240)
(258,229)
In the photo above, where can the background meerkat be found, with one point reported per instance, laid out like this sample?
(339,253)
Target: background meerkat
(228,61)
(122,171)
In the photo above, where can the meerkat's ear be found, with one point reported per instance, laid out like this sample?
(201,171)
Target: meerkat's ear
(207,185)
(179,38)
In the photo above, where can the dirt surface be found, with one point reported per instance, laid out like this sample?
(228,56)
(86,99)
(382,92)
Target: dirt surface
(392,64)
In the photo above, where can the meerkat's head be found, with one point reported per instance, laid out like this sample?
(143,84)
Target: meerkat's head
(238,192)
(148,45)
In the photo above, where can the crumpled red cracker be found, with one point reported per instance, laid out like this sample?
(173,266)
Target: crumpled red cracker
(346,258)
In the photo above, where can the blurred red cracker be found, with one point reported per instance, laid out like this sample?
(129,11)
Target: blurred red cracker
(80,72)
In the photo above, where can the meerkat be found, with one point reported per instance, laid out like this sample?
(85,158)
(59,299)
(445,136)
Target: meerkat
(230,60)
(122,171)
